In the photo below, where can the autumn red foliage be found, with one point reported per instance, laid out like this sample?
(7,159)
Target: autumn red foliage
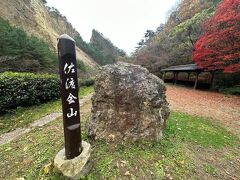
(218,48)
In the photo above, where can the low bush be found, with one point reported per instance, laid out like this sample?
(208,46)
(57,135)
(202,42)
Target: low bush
(233,91)
(87,82)
(25,89)
(227,83)
(81,66)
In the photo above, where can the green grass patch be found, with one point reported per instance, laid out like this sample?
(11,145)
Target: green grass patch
(141,161)
(85,91)
(199,131)
(32,156)
(22,116)
(28,157)
(208,168)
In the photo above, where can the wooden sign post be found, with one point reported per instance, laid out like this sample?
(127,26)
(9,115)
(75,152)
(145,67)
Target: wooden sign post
(69,96)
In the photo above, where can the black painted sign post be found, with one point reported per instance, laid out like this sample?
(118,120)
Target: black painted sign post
(69,96)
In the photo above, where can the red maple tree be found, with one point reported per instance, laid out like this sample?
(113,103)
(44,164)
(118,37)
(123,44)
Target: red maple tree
(218,48)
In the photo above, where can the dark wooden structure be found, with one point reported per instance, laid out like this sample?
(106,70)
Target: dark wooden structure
(187,68)
(69,96)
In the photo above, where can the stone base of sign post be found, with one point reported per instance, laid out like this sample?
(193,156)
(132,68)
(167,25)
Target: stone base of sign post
(77,167)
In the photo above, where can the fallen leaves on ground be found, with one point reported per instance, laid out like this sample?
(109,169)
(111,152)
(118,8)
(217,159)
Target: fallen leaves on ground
(221,108)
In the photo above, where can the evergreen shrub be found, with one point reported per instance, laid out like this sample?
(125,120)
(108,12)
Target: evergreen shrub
(25,89)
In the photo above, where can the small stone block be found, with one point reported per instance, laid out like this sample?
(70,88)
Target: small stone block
(77,167)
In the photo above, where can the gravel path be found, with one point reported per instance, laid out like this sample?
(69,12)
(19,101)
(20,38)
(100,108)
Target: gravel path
(8,137)
(215,106)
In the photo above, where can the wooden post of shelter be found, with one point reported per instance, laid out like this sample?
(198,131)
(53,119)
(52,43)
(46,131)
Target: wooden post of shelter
(174,74)
(176,77)
(163,77)
(188,75)
(196,80)
(212,78)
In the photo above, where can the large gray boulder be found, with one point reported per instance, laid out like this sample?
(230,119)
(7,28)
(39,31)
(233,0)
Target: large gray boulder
(129,104)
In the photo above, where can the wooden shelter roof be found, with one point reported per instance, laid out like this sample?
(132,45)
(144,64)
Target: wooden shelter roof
(186,67)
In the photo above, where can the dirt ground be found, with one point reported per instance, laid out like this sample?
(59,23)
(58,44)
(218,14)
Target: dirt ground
(218,107)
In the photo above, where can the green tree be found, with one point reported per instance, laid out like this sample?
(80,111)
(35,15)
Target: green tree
(16,47)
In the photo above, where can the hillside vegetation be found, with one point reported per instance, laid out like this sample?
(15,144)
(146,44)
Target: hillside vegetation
(96,54)
(106,47)
(17,47)
(36,20)
(45,23)
(32,53)
(172,43)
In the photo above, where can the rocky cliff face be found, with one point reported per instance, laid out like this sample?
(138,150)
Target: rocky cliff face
(38,20)
(105,45)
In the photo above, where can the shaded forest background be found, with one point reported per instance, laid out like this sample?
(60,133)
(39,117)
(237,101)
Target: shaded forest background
(188,22)
(172,43)
(28,46)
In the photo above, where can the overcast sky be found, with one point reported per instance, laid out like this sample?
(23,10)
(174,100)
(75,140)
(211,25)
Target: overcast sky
(122,21)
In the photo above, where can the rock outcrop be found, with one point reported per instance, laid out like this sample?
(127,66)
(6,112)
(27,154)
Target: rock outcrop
(104,45)
(129,104)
